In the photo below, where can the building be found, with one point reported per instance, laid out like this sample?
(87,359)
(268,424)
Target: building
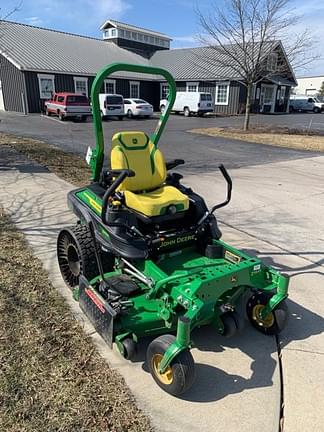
(309,86)
(35,62)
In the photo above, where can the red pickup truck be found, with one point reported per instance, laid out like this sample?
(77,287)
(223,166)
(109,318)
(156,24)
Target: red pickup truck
(68,105)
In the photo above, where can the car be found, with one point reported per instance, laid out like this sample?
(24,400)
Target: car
(68,105)
(111,105)
(305,103)
(191,103)
(137,108)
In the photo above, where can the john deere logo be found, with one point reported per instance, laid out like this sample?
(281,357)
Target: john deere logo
(134,140)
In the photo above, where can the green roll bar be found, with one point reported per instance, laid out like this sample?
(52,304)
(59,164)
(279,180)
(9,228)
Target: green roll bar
(96,156)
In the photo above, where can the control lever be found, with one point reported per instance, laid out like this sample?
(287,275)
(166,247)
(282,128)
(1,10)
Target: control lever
(229,182)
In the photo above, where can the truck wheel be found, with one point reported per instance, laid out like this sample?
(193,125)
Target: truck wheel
(75,254)
(272,324)
(47,113)
(316,110)
(102,116)
(61,116)
(129,113)
(179,375)
(83,119)
(186,112)
(120,118)
(162,108)
(201,114)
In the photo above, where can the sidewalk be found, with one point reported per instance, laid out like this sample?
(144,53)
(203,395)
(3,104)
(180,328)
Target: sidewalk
(238,381)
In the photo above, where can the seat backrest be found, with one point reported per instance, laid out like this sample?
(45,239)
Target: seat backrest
(135,151)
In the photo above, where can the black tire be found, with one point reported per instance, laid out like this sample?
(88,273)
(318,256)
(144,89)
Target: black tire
(201,114)
(102,116)
(186,112)
(120,118)
(231,324)
(83,119)
(129,114)
(75,253)
(47,113)
(316,110)
(162,109)
(180,375)
(130,348)
(275,322)
(61,116)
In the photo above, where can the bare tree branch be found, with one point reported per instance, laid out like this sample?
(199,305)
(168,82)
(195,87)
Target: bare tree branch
(245,32)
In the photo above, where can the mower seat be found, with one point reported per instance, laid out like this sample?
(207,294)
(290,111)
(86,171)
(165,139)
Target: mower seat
(146,192)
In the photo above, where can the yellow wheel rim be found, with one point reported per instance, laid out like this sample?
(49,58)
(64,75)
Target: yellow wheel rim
(266,322)
(167,376)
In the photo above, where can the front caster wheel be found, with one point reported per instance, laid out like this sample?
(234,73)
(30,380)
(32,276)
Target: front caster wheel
(232,323)
(129,348)
(179,375)
(272,324)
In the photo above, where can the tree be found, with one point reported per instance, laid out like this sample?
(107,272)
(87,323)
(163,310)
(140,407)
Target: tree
(244,33)
(321,90)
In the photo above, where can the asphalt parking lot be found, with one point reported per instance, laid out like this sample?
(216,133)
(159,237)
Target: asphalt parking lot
(201,153)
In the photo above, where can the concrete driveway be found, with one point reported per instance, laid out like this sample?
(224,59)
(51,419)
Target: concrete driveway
(276,213)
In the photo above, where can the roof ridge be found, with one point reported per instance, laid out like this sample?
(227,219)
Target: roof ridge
(136,27)
(51,30)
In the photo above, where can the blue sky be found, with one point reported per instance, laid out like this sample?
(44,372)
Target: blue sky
(177,18)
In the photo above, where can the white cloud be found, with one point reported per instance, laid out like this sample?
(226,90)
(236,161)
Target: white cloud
(34,20)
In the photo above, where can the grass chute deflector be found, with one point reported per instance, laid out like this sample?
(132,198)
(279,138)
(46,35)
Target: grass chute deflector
(146,256)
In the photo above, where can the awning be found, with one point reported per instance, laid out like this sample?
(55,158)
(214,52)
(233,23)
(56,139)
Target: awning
(279,80)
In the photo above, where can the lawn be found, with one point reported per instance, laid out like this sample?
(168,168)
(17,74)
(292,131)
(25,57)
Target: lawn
(51,376)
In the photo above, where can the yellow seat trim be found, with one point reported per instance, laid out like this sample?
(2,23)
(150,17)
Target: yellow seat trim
(156,203)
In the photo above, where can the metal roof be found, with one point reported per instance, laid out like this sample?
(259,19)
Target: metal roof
(204,63)
(49,51)
(125,26)
(43,50)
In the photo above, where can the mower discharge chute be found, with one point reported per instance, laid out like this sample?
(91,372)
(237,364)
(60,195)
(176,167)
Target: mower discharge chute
(146,259)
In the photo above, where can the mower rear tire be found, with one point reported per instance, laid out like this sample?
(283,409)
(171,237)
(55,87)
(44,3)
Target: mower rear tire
(272,324)
(76,255)
(179,375)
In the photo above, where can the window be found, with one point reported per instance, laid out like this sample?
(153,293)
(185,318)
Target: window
(272,62)
(134,35)
(206,97)
(164,90)
(113,32)
(77,99)
(60,99)
(128,34)
(192,86)
(151,39)
(146,38)
(121,33)
(46,86)
(110,86)
(222,91)
(81,85)
(134,89)
(140,37)
(127,102)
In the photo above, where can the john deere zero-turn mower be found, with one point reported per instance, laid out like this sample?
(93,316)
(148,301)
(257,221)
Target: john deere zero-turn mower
(146,259)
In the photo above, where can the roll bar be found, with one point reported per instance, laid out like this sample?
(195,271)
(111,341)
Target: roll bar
(97,154)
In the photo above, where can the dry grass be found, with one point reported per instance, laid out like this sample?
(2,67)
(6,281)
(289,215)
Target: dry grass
(65,165)
(51,377)
(282,137)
